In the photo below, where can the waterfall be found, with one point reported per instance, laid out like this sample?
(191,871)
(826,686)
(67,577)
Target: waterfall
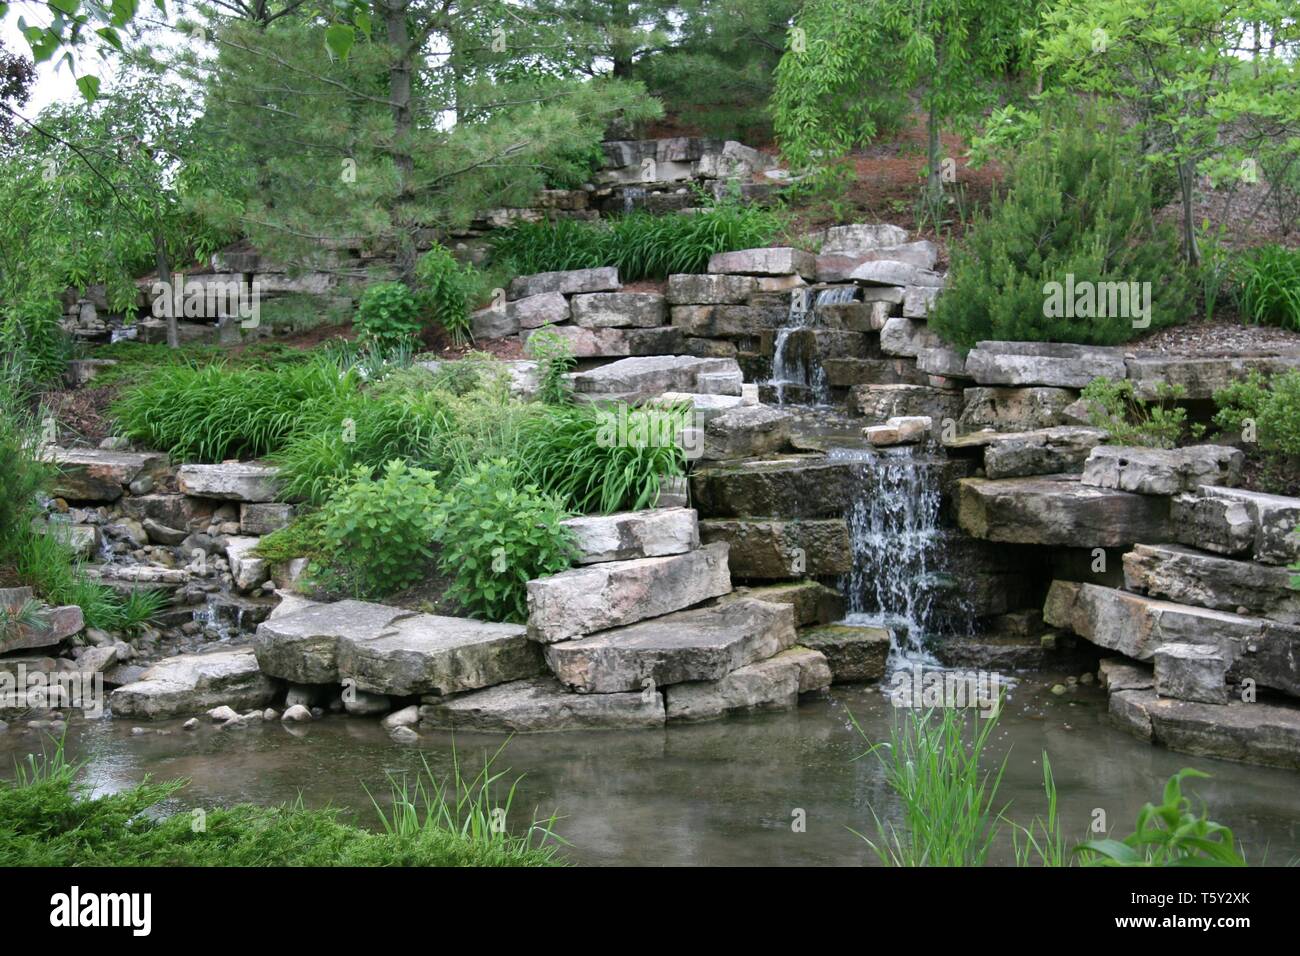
(899,579)
(630,195)
(800,366)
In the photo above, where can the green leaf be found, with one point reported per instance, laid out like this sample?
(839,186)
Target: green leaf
(339,39)
(89,86)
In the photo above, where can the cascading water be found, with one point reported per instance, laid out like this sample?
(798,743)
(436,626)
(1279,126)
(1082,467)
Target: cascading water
(800,367)
(899,579)
(631,194)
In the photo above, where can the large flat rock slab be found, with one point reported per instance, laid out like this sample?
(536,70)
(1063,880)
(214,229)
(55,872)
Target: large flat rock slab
(773,684)
(1179,573)
(570,282)
(1162,471)
(1062,449)
(779,261)
(796,487)
(1268,522)
(97,474)
(619,310)
(614,343)
(856,653)
(701,644)
(601,596)
(230,481)
(56,624)
(1201,376)
(432,654)
(1059,510)
(190,683)
(303,647)
(1054,364)
(1009,409)
(1137,626)
(691,289)
(1257,733)
(639,378)
(765,549)
(749,431)
(652,533)
(540,705)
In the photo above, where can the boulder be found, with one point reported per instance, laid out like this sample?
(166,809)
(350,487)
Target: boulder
(264,517)
(796,487)
(895,272)
(766,549)
(360,703)
(846,372)
(615,343)
(57,624)
(248,570)
(746,432)
(720,321)
(773,684)
(83,540)
(302,647)
(571,282)
(601,596)
(619,310)
(780,261)
(1120,673)
(230,481)
(176,686)
(539,705)
(839,266)
(918,301)
(1014,409)
(812,601)
(877,403)
(1045,451)
(634,534)
(702,644)
(903,336)
(704,408)
(1273,518)
(638,379)
(1191,672)
(431,654)
(869,315)
(859,238)
(1162,471)
(1059,510)
(1200,376)
(1188,576)
(856,653)
(96,474)
(901,430)
(1257,732)
(1043,363)
(171,510)
(1212,523)
(161,534)
(689,289)
(941,361)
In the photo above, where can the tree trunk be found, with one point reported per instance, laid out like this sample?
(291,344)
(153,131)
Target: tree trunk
(1186,181)
(399,98)
(163,262)
(622,52)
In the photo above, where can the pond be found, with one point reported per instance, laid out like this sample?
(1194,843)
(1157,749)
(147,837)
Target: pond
(719,793)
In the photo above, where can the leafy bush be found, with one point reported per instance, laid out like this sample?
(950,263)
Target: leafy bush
(1269,283)
(449,291)
(1168,835)
(1265,411)
(213,412)
(1131,420)
(604,459)
(495,537)
(1078,205)
(388,315)
(23,475)
(379,531)
(641,245)
(554,357)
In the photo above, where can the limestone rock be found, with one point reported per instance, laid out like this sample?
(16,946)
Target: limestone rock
(598,310)
(812,601)
(600,596)
(903,336)
(1258,733)
(1043,363)
(807,487)
(1274,519)
(746,432)
(878,403)
(1191,672)
(1046,451)
(765,549)
(1015,409)
(637,379)
(571,282)
(1201,376)
(859,238)
(902,430)
(303,647)
(855,653)
(689,289)
(894,272)
(1162,471)
(264,517)
(194,682)
(773,684)
(615,343)
(778,261)
(1058,510)
(1183,574)
(94,474)
(539,705)
(230,480)
(634,534)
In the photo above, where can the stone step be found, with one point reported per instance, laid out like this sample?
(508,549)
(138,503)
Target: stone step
(614,343)
(812,601)
(729,321)
(230,481)
(191,683)
(1136,626)
(701,644)
(1162,471)
(1188,576)
(1059,510)
(386,650)
(570,282)
(1044,451)
(1234,521)
(773,684)
(767,549)
(778,261)
(97,474)
(1257,732)
(877,403)
(634,534)
(748,431)
(1043,363)
(539,705)
(1202,376)
(619,310)
(601,596)
(691,289)
(810,486)
(1007,409)
(637,379)
(855,653)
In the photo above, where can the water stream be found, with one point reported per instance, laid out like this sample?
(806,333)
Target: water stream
(798,365)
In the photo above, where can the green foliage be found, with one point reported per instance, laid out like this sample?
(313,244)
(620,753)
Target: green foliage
(49,818)
(496,534)
(604,459)
(449,291)
(23,475)
(554,357)
(1169,834)
(1269,282)
(641,245)
(1077,206)
(379,531)
(950,817)
(388,315)
(1131,420)
(1264,412)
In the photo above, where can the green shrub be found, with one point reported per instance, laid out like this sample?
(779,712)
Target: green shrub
(496,536)
(1131,420)
(214,412)
(23,475)
(1265,412)
(449,291)
(604,459)
(1078,205)
(641,245)
(554,357)
(1269,282)
(379,531)
(388,315)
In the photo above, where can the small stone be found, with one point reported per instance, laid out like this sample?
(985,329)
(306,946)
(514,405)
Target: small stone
(297,713)
(222,714)
(406,717)
(138,731)
(1087,679)
(1058,689)
(318,712)
(404,735)
(270,714)
(191,724)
